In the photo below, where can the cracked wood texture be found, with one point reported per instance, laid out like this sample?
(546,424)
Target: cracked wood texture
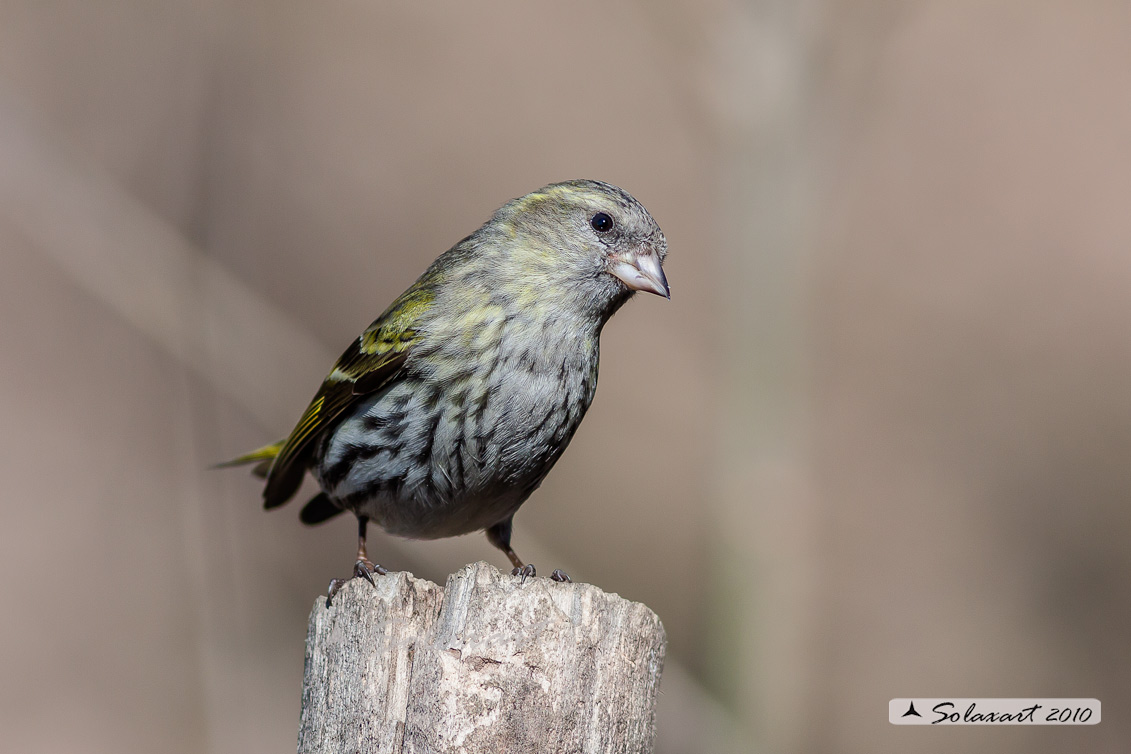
(485,665)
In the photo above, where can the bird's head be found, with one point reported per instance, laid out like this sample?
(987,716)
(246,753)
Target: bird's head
(586,242)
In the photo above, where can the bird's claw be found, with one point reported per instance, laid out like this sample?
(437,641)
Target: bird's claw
(525,572)
(363,569)
(335,585)
(529,570)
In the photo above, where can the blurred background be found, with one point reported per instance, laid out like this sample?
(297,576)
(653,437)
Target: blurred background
(877,444)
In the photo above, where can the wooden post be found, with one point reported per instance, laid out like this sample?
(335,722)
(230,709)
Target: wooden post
(485,665)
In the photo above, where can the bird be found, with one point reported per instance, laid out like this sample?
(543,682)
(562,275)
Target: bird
(450,409)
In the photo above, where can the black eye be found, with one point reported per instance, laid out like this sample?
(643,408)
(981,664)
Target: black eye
(601,222)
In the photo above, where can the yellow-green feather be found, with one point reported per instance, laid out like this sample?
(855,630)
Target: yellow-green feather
(371,362)
(266,453)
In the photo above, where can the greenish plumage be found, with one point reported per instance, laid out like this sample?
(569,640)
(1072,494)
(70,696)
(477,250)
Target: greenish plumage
(449,410)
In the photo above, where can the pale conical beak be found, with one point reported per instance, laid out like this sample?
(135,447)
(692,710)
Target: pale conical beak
(641,272)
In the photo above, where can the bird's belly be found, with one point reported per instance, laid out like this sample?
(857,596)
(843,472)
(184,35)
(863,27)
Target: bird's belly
(425,460)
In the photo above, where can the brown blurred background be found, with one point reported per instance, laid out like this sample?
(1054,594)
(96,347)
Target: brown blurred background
(877,445)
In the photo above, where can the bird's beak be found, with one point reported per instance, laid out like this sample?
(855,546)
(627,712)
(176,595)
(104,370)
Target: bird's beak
(641,271)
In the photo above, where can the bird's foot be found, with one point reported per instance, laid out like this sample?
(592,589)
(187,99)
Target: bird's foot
(525,571)
(363,568)
(529,570)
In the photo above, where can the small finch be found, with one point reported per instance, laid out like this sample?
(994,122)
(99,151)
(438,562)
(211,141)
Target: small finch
(450,409)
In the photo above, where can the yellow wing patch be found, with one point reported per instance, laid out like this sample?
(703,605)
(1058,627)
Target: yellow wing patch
(308,422)
(371,362)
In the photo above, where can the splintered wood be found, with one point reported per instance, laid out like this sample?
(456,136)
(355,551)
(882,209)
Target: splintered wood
(485,665)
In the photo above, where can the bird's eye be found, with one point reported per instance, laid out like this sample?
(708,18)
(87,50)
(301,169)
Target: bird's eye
(601,222)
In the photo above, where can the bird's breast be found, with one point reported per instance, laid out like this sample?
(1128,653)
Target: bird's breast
(463,438)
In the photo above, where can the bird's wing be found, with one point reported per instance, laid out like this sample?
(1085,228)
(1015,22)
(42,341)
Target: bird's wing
(371,363)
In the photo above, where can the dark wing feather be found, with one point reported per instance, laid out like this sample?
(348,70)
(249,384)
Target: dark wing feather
(335,397)
(371,363)
(320,508)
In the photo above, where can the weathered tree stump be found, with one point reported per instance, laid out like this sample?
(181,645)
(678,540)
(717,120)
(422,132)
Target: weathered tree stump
(486,665)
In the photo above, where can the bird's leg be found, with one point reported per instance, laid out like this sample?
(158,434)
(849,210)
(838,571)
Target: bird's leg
(364,567)
(500,536)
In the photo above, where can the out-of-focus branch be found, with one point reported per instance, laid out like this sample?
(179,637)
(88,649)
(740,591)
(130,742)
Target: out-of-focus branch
(120,252)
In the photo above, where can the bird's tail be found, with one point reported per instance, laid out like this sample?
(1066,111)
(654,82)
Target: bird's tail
(261,457)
